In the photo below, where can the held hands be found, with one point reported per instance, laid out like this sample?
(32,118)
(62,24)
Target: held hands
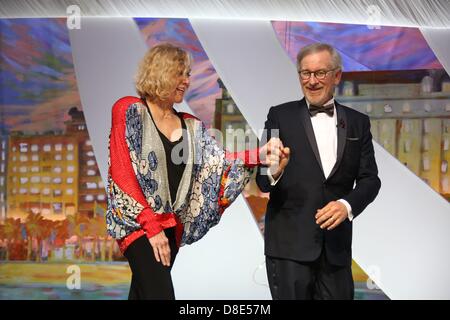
(274,155)
(331,215)
(161,248)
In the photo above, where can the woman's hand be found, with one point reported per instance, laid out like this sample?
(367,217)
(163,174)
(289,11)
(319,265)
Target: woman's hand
(161,248)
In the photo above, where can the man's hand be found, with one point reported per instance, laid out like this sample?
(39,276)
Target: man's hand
(331,215)
(274,155)
(161,248)
(284,160)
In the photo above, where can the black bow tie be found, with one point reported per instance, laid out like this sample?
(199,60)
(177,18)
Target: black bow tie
(328,109)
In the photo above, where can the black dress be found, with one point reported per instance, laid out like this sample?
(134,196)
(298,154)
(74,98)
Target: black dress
(150,278)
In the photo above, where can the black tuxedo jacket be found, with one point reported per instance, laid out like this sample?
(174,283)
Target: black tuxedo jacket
(290,228)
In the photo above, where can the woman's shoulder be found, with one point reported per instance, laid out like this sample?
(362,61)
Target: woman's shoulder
(186,116)
(124,103)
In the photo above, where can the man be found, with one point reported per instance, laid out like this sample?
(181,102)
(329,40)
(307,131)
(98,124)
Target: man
(328,180)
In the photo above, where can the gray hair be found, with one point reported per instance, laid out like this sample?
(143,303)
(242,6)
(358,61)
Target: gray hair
(336,59)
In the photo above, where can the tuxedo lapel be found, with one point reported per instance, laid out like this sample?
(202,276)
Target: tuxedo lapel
(341,136)
(307,125)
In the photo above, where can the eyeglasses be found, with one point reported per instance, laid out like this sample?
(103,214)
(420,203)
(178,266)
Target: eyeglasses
(319,74)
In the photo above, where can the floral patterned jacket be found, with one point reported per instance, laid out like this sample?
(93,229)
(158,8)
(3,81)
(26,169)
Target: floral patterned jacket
(138,193)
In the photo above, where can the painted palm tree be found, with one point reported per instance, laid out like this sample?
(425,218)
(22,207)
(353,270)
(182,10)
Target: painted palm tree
(62,233)
(11,230)
(97,229)
(112,243)
(34,226)
(82,223)
(2,233)
(101,226)
(71,225)
(47,227)
(78,227)
(90,232)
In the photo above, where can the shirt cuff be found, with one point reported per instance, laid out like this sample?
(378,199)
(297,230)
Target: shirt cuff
(271,179)
(250,157)
(349,208)
(149,222)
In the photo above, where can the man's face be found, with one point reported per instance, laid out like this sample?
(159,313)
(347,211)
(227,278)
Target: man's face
(319,91)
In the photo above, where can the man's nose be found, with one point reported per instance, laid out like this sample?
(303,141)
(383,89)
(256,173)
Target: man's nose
(312,79)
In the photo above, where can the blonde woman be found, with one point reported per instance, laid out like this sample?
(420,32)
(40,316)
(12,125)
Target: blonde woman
(169,181)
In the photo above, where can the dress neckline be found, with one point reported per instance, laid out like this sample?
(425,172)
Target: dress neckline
(162,135)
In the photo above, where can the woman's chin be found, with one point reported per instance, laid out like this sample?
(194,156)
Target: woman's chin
(178,100)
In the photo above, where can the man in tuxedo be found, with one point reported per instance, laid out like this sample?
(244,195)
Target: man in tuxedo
(327,179)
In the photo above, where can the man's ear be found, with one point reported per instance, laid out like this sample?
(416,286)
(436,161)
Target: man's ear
(338,77)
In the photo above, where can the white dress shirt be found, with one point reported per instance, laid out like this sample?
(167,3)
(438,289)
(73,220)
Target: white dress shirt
(325,131)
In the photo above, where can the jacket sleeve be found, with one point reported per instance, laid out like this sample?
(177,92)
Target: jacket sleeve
(271,126)
(128,209)
(367,182)
(237,169)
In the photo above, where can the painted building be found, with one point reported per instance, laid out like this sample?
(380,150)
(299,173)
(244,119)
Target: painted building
(3,175)
(54,174)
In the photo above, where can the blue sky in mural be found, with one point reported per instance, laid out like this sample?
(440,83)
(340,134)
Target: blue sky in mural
(37,82)
(362,49)
(34,56)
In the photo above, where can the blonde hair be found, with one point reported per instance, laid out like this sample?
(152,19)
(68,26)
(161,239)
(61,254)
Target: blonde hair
(157,76)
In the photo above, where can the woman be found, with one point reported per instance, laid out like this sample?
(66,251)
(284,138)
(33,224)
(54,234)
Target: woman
(168,181)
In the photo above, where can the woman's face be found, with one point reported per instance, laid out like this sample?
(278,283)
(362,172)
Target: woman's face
(182,85)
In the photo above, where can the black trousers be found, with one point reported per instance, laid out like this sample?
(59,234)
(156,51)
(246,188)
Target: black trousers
(317,280)
(150,279)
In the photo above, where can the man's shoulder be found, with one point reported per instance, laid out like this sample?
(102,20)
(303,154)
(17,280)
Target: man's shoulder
(286,106)
(354,114)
